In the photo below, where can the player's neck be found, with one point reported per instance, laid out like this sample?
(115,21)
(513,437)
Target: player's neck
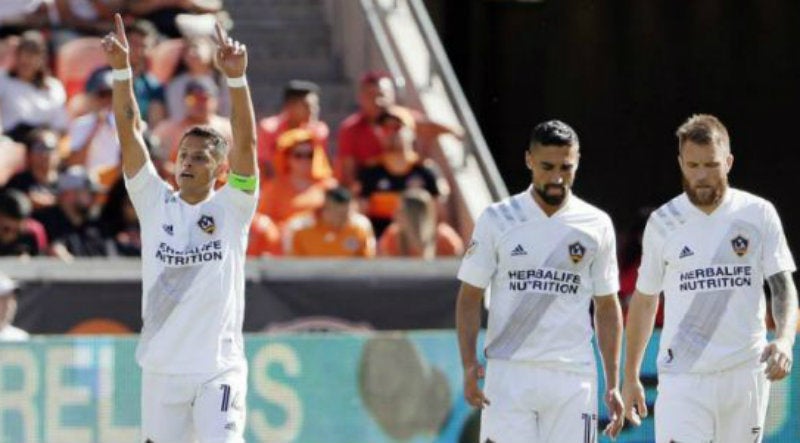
(194,197)
(709,209)
(549,209)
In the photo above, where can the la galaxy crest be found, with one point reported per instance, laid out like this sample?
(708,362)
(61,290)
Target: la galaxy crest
(740,245)
(576,252)
(206,223)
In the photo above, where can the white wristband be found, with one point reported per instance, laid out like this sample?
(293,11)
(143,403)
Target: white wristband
(236,82)
(120,75)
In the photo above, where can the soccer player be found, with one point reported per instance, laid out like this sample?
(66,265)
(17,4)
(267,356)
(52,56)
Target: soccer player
(546,255)
(709,250)
(194,372)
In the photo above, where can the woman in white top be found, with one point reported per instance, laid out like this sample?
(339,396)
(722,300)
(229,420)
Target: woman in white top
(29,96)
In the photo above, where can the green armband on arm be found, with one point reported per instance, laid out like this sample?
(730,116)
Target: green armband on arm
(243,183)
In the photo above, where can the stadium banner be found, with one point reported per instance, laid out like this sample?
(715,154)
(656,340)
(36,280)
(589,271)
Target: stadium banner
(304,388)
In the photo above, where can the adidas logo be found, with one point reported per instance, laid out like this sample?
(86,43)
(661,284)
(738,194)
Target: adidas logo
(686,252)
(519,250)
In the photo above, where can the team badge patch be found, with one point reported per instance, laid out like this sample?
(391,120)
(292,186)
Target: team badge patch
(206,223)
(740,245)
(576,252)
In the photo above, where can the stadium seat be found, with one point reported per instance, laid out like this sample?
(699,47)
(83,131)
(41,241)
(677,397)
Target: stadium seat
(164,59)
(76,60)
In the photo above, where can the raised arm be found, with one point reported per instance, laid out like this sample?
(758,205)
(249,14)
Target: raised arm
(126,110)
(778,353)
(232,60)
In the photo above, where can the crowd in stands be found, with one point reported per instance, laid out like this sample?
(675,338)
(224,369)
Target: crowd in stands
(372,191)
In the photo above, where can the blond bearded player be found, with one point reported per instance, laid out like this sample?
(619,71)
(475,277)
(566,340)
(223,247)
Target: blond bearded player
(709,250)
(547,255)
(194,372)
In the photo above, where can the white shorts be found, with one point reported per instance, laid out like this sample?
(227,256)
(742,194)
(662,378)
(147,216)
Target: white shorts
(721,407)
(194,408)
(531,404)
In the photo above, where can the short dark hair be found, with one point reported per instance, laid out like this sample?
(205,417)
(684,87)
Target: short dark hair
(299,89)
(216,140)
(14,204)
(703,129)
(553,133)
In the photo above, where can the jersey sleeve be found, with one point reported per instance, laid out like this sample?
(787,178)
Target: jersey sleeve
(776,256)
(605,273)
(241,204)
(651,270)
(146,189)
(480,259)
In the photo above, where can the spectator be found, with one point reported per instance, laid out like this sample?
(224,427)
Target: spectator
(335,230)
(399,169)
(39,180)
(29,96)
(162,13)
(8,310)
(415,231)
(359,145)
(302,174)
(19,235)
(77,18)
(200,97)
(17,16)
(93,137)
(198,62)
(264,237)
(71,225)
(300,109)
(148,91)
(120,223)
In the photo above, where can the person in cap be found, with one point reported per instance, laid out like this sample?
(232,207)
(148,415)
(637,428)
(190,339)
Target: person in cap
(17,235)
(334,230)
(300,110)
(71,224)
(194,240)
(8,310)
(200,98)
(93,137)
(39,180)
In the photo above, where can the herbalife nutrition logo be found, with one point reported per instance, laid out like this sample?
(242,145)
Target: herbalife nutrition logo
(519,250)
(686,252)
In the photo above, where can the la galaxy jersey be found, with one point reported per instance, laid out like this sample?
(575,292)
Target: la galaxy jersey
(543,272)
(711,269)
(192,276)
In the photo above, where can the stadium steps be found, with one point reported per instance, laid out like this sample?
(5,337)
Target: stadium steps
(289,39)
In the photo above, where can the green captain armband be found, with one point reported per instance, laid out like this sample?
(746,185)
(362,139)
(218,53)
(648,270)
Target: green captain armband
(243,183)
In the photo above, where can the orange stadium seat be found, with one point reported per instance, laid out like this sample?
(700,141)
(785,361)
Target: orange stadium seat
(76,60)
(164,59)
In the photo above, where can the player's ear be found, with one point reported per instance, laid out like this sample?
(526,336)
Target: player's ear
(528,160)
(729,163)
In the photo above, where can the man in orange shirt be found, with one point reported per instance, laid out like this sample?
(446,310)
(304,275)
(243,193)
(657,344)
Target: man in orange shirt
(336,230)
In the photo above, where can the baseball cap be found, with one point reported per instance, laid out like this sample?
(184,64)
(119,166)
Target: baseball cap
(7,286)
(202,85)
(74,177)
(99,81)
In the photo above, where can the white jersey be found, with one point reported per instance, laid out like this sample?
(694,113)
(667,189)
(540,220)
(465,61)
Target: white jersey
(543,272)
(13,333)
(712,269)
(192,276)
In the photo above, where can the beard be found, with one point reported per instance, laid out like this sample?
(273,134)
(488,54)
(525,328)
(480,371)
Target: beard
(706,195)
(551,199)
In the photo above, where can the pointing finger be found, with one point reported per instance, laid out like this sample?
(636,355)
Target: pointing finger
(220,33)
(120,27)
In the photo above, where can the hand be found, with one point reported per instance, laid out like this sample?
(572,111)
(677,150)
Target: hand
(231,55)
(472,393)
(616,409)
(115,44)
(778,356)
(634,401)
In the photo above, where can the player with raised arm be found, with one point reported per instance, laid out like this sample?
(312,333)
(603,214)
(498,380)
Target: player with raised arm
(546,255)
(194,239)
(709,250)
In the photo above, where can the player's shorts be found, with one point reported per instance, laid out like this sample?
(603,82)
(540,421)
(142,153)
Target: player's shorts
(531,404)
(720,407)
(194,408)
